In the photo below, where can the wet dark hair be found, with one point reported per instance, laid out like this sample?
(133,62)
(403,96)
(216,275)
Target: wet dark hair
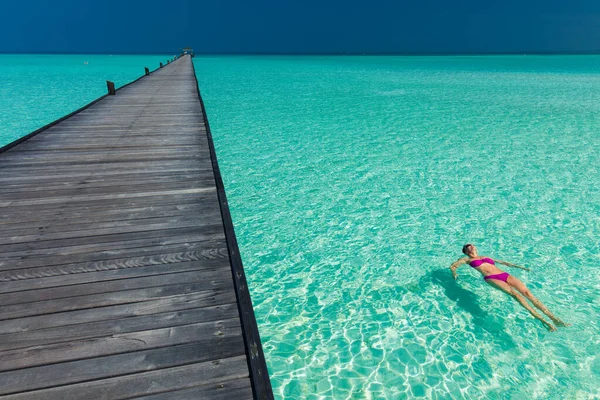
(466,247)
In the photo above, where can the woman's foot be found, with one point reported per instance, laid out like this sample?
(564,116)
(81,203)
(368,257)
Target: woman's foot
(558,322)
(550,327)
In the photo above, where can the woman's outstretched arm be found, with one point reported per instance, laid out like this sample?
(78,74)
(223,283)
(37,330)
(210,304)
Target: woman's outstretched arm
(457,264)
(511,264)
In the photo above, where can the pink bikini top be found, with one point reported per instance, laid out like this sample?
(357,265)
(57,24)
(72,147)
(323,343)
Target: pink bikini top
(477,263)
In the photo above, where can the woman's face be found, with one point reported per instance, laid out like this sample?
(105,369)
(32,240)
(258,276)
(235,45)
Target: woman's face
(472,249)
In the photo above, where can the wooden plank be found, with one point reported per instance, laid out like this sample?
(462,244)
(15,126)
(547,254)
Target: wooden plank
(91,260)
(111,298)
(177,143)
(96,161)
(229,344)
(140,137)
(32,187)
(211,231)
(105,197)
(90,153)
(73,274)
(217,273)
(211,373)
(120,188)
(75,210)
(41,235)
(100,167)
(238,389)
(82,159)
(128,310)
(71,225)
(78,203)
(97,329)
(116,344)
(47,176)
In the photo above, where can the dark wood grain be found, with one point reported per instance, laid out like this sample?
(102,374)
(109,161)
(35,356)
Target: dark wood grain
(116,344)
(234,389)
(212,373)
(61,334)
(165,263)
(174,302)
(229,344)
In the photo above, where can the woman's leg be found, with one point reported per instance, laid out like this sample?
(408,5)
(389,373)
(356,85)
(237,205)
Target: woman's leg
(520,286)
(510,291)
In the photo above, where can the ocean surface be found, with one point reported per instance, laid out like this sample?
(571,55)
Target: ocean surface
(354,183)
(38,89)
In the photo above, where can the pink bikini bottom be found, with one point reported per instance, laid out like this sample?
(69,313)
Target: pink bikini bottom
(499,277)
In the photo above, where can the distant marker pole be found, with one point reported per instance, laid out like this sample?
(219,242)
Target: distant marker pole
(111,88)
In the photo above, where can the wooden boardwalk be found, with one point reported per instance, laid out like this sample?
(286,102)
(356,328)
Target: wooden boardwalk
(115,269)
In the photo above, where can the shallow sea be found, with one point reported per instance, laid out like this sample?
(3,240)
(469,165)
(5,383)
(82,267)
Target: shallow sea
(36,89)
(355,181)
(353,184)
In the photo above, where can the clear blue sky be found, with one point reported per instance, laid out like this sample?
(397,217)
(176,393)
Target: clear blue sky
(299,26)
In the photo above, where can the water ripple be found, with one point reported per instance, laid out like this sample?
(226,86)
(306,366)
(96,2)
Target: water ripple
(353,184)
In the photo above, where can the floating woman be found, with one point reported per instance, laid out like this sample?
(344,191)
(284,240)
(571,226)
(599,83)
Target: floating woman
(505,282)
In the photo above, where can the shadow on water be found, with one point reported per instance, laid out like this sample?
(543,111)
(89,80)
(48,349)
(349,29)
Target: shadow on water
(469,301)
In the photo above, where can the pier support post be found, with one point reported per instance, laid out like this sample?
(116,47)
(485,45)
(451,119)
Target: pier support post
(111,88)
(147,70)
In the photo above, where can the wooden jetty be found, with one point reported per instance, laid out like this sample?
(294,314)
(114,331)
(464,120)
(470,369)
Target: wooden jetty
(120,275)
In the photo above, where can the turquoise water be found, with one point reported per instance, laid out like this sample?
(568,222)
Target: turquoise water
(38,89)
(353,184)
(355,181)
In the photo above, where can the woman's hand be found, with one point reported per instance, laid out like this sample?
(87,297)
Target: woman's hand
(454,274)
(457,264)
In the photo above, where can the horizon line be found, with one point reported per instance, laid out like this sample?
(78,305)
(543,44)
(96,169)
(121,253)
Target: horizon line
(595,52)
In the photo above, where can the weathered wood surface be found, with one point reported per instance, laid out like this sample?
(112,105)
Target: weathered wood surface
(115,274)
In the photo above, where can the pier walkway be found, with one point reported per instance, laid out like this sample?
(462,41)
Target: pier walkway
(120,276)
